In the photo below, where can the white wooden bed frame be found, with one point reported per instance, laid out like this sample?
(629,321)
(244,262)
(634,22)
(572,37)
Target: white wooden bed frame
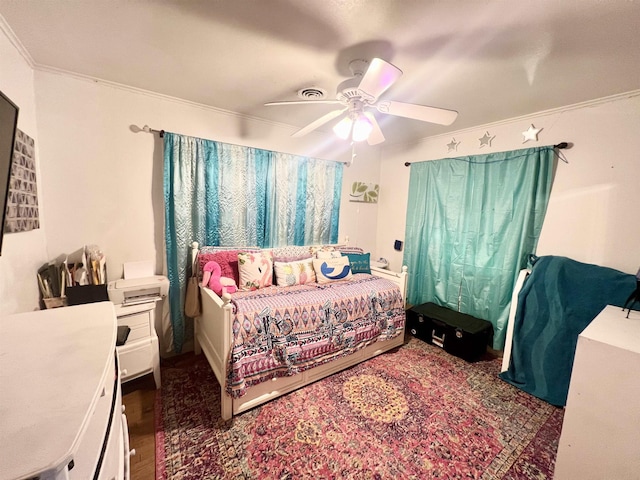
(214,337)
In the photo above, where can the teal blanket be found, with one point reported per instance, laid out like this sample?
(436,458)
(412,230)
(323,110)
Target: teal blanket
(557,301)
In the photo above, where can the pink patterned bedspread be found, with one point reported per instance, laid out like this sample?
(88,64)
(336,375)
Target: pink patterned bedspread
(281,331)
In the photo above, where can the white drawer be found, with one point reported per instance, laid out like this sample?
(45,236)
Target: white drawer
(322,371)
(126,449)
(89,450)
(272,388)
(113,463)
(139,323)
(135,359)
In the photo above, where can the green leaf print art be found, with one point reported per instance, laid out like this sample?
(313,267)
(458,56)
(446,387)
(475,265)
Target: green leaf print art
(364,192)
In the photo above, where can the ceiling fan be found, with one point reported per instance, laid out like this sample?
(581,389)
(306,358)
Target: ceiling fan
(361,93)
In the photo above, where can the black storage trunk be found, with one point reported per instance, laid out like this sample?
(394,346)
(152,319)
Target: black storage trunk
(457,333)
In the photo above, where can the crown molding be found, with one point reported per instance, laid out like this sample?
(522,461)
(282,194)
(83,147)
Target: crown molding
(160,96)
(15,41)
(20,48)
(528,116)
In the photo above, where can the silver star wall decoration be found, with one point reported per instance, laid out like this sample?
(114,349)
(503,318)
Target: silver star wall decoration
(452,146)
(486,139)
(531,134)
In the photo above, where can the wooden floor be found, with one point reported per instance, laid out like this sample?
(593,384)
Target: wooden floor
(139,398)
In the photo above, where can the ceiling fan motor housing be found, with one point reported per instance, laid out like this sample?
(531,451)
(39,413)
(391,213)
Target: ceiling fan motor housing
(348,89)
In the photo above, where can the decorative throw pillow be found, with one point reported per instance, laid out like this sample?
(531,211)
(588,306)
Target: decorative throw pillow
(226,257)
(317,249)
(294,258)
(256,270)
(332,269)
(328,254)
(228,261)
(344,249)
(292,251)
(360,262)
(294,273)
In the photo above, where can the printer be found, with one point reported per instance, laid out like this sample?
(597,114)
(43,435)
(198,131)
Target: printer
(134,291)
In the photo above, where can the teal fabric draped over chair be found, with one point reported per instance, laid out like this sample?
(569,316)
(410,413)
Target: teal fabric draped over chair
(471,224)
(229,195)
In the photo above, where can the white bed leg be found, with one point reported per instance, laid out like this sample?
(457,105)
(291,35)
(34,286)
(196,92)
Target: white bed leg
(227,404)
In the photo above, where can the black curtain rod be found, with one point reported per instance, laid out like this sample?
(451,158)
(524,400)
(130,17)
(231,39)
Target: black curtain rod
(147,129)
(559,146)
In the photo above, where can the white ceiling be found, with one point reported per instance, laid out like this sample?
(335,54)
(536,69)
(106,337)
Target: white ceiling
(488,59)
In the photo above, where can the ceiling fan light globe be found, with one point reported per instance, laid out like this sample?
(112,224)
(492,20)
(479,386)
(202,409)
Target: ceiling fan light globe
(362,129)
(343,128)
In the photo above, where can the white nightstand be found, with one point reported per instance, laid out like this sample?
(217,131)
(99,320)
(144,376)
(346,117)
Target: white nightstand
(140,354)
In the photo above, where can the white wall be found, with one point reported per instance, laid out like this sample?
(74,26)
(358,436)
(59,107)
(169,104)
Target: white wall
(592,215)
(103,182)
(22,253)
(358,220)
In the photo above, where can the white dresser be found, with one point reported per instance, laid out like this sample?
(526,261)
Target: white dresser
(601,429)
(60,399)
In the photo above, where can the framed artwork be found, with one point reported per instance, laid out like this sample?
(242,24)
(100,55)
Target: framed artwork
(364,192)
(22,202)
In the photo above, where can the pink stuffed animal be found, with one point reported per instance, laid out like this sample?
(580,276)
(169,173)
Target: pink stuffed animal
(211,277)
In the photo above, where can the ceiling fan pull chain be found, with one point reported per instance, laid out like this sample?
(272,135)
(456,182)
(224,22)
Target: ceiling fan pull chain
(353,153)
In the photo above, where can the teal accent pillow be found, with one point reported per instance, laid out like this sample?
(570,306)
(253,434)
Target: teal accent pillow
(360,262)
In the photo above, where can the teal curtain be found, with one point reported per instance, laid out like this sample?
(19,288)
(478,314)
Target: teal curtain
(228,195)
(471,224)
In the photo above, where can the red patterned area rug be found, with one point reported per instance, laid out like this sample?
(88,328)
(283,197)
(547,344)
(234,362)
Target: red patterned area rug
(413,413)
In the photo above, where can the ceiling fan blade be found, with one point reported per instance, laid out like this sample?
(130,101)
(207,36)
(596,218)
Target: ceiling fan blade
(376,136)
(440,116)
(303,102)
(377,79)
(319,122)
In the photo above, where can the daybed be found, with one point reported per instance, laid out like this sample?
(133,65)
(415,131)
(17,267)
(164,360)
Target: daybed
(264,343)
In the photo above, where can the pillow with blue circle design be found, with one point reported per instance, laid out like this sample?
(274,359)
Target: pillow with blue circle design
(332,269)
